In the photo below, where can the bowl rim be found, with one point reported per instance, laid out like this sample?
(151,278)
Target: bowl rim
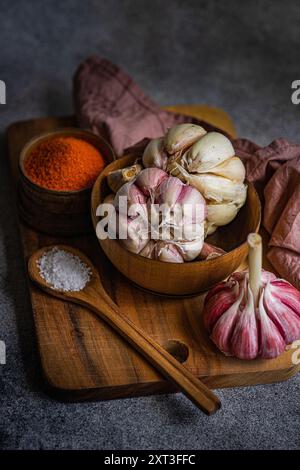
(194,263)
(61,131)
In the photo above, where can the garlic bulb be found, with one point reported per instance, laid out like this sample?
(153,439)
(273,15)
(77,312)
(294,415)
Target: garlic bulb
(154,154)
(116,179)
(182,136)
(211,166)
(249,324)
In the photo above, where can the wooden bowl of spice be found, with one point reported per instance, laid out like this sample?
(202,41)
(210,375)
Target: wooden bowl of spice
(57,172)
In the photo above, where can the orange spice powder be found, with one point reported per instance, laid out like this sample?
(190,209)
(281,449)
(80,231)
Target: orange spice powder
(64,164)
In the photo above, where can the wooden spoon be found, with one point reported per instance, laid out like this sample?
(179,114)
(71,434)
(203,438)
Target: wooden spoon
(94,297)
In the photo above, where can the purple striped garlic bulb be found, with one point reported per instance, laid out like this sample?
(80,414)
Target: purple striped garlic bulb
(164,217)
(253,314)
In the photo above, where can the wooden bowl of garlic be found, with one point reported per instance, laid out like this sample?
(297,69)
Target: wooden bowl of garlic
(190,165)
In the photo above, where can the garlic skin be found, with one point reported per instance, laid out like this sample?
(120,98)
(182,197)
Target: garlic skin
(190,249)
(135,232)
(130,200)
(208,152)
(167,252)
(222,214)
(210,252)
(216,188)
(240,329)
(182,136)
(148,250)
(162,251)
(210,165)
(149,180)
(154,154)
(232,168)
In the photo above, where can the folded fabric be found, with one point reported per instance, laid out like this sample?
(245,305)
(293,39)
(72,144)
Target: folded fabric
(112,105)
(275,170)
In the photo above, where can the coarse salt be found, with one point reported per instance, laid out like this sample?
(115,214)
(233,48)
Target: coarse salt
(63,270)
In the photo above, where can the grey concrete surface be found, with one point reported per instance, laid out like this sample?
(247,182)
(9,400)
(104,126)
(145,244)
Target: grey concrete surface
(241,56)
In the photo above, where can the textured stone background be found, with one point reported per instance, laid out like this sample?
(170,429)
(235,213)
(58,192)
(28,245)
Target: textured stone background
(241,56)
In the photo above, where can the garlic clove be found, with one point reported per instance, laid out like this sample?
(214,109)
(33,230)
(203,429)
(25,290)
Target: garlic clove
(149,179)
(172,165)
(154,154)
(217,301)
(190,249)
(272,343)
(220,189)
(244,340)
(168,191)
(116,179)
(182,136)
(222,330)
(109,199)
(167,252)
(221,214)
(209,151)
(130,200)
(148,250)
(240,276)
(134,233)
(232,168)
(193,205)
(216,188)
(287,294)
(210,251)
(284,317)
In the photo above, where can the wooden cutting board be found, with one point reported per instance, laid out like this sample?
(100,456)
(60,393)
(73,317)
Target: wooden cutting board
(83,358)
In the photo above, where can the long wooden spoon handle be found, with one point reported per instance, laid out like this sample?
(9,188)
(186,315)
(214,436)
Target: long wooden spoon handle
(192,387)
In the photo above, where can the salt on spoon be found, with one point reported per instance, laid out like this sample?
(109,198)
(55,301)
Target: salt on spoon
(63,270)
(45,270)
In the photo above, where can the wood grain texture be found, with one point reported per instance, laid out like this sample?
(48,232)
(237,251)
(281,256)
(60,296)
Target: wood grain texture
(83,358)
(94,297)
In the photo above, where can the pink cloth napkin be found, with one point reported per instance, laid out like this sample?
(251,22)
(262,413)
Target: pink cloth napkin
(111,104)
(275,170)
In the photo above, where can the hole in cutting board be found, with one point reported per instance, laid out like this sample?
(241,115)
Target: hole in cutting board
(178,350)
